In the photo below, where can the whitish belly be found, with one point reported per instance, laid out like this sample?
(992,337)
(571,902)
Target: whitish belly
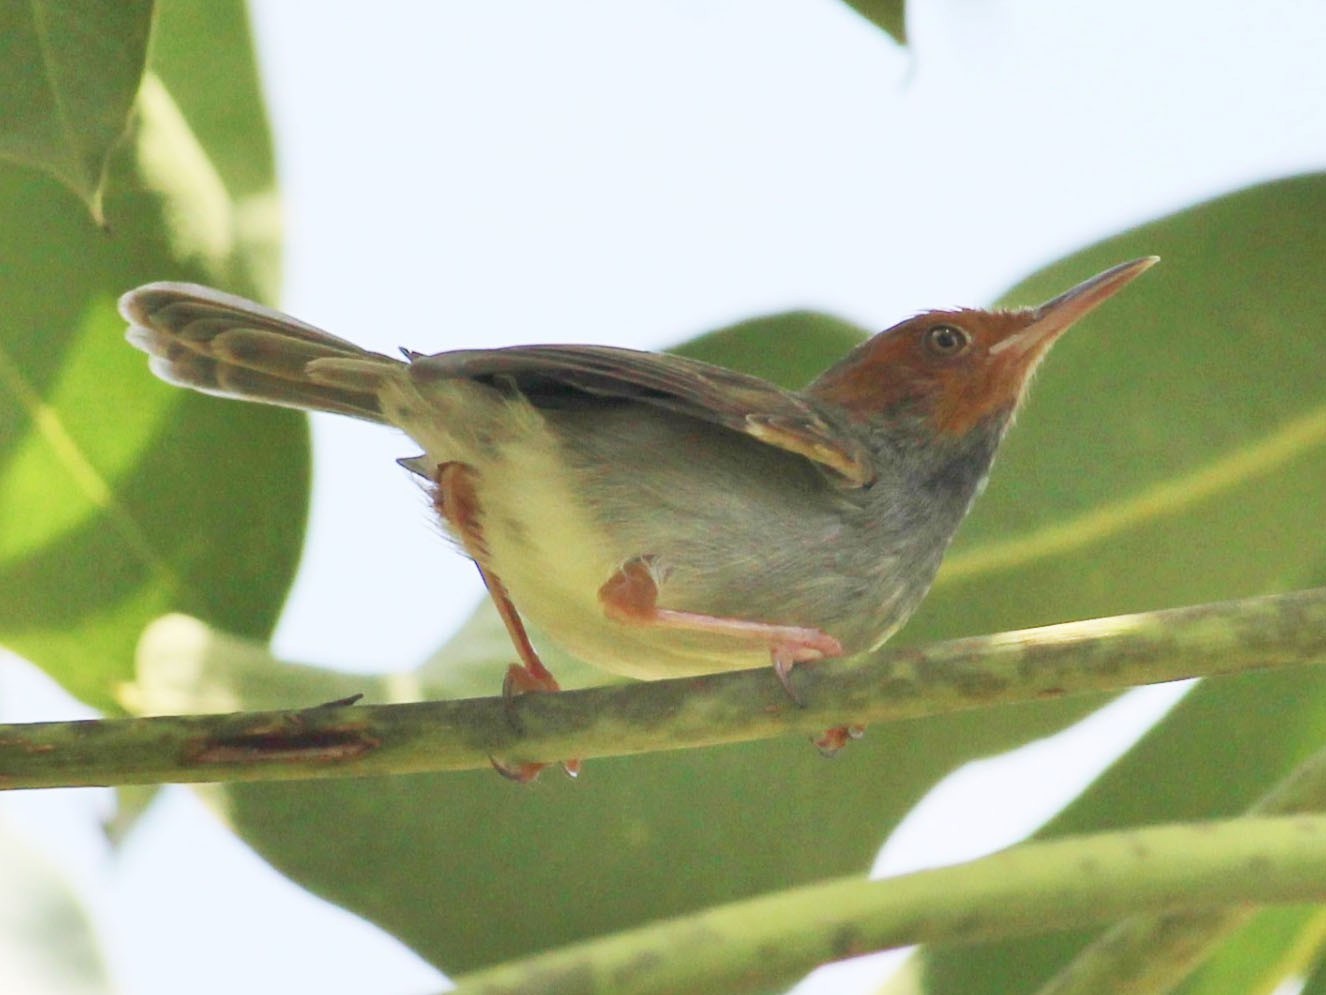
(545,547)
(553,559)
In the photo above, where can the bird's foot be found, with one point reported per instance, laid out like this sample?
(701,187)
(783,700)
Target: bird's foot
(832,740)
(792,645)
(521,680)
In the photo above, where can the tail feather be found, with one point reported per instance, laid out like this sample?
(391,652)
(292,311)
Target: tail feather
(217,343)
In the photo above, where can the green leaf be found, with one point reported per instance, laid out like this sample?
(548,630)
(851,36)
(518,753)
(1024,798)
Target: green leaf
(46,941)
(69,70)
(534,867)
(1138,439)
(684,829)
(787,349)
(1315,982)
(224,108)
(118,495)
(1207,417)
(228,117)
(888,15)
(1275,946)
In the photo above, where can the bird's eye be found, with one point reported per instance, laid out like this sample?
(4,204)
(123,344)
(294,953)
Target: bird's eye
(946,340)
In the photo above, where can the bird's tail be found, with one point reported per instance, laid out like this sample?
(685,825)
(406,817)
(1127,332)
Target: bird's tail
(225,345)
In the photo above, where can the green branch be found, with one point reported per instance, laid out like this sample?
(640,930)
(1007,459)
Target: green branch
(340,740)
(1060,884)
(1151,955)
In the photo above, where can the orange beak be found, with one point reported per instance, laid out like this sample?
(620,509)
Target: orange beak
(1054,317)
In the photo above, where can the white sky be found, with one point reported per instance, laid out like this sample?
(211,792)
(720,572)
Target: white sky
(462,174)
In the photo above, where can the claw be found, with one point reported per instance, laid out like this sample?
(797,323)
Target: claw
(833,740)
(782,666)
(519,681)
(801,646)
(528,773)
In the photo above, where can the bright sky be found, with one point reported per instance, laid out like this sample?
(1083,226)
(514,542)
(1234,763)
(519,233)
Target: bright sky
(482,174)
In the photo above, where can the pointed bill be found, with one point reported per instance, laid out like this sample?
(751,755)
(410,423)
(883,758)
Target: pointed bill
(1056,316)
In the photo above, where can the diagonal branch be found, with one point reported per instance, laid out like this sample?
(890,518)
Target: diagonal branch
(1153,954)
(1066,883)
(340,740)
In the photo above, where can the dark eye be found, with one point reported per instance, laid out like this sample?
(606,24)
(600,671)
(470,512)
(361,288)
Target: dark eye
(946,340)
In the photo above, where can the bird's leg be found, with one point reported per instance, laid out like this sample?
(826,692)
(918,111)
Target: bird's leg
(631,596)
(456,500)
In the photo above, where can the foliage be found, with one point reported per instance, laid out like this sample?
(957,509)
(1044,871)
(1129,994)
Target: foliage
(118,494)
(1128,485)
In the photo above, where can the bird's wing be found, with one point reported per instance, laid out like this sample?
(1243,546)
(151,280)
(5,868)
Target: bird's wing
(552,374)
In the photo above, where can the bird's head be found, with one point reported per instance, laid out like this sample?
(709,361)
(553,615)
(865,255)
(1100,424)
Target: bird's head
(957,369)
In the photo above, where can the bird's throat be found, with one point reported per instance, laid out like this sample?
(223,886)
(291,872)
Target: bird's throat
(961,464)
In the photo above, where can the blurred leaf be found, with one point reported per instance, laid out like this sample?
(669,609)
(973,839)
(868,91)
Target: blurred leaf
(887,15)
(1212,408)
(1092,510)
(787,349)
(69,70)
(633,839)
(534,867)
(225,107)
(1315,981)
(46,941)
(226,111)
(1265,953)
(118,495)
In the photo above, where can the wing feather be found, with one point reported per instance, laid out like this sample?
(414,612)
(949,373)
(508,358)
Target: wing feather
(738,401)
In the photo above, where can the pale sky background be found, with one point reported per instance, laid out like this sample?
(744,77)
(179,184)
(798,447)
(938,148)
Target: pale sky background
(465,174)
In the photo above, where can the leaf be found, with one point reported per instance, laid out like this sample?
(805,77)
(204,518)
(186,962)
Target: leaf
(46,941)
(69,70)
(806,342)
(1315,982)
(507,854)
(1070,515)
(229,120)
(534,867)
(1214,407)
(1275,946)
(888,15)
(118,497)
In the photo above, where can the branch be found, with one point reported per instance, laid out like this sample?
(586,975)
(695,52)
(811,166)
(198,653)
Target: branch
(1151,955)
(1061,884)
(338,740)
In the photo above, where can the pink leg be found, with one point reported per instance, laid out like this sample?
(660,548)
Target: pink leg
(631,596)
(456,500)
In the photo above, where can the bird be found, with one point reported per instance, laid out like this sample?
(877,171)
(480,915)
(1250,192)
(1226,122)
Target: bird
(654,515)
